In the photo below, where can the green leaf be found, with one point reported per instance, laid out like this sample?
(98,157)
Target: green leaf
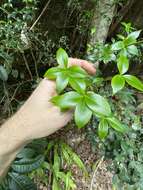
(55,185)
(121,37)
(77,72)
(103,129)
(67,100)
(123,63)
(26,153)
(131,38)
(135,34)
(61,82)
(116,124)
(74,157)
(56,166)
(82,114)
(118,82)
(52,73)
(21,182)
(3,73)
(98,80)
(133,50)
(69,183)
(62,58)
(107,54)
(79,163)
(134,82)
(78,84)
(27,165)
(98,104)
(117,46)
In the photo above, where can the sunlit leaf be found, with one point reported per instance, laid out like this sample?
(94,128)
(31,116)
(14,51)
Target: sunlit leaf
(134,82)
(103,129)
(98,104)
(52,73)
(117,46)
(77,72)
(67,100)
(82,114)
(117,125)
(123,63)
(118,82)
(135,34)
(61,82)
(62,58)
(133,50)
(78,84)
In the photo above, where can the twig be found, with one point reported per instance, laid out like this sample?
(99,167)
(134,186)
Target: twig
(35,64)
(96,169)
(7,105)
(27,66)
(5,11)
(47,4)
(122,13)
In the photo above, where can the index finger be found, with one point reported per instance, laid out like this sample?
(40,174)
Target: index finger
(84,64)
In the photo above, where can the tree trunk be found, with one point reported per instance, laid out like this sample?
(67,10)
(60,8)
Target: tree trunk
(103,15)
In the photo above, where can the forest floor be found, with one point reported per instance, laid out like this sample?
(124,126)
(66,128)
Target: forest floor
(99,178)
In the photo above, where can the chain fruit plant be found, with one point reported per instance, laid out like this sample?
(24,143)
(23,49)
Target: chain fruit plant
(81,97)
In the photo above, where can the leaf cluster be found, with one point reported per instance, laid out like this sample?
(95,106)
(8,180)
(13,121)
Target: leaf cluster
(85,102)
(120,51)
(123,151)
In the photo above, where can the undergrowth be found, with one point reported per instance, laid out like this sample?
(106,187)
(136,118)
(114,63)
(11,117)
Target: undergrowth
(114,126)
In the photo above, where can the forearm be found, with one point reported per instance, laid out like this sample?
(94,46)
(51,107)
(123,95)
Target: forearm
(11,141)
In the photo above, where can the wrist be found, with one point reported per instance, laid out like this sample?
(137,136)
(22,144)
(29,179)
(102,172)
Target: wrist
(11,136)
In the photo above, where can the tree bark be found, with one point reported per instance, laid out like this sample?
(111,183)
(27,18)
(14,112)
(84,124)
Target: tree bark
(103,15)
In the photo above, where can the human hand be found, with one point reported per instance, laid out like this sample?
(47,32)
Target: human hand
(38,117)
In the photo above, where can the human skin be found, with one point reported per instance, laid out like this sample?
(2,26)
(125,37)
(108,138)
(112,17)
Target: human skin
(37,118)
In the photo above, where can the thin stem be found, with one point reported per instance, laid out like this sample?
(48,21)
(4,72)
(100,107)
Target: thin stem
(8,103)
(5,11)
(44,9)
(95,171)
(27,66)
(35,64)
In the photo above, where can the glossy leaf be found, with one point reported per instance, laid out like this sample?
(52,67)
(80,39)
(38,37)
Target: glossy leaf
(82,114)
(62,58)
(123,63)
(3,73)
(52,73)
(77,72)
(135,34)
(98,104)
(61,82)
(103,129)
(118,82)
(131,38)
(133,50)
(67,100)
(78,84)
(98,80)
(117,125)
(134,82)
(117,46)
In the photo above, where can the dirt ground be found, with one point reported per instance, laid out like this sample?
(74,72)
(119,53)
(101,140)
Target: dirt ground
(99,177)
